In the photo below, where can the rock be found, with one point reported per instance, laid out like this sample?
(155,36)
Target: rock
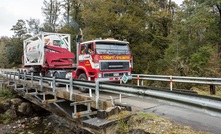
(23,126)
(36,118)
(102,114)
(14,127)
(25,108)
(11,113)
(2,110)
(112,111)
(16,101)
(14,107)
(7,105)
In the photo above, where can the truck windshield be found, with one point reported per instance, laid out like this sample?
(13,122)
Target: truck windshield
(112,48)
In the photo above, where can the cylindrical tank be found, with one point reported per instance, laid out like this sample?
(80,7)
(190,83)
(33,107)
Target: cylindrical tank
(34,48)
(33,51)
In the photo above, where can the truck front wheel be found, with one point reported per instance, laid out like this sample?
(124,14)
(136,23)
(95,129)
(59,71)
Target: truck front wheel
(83,77)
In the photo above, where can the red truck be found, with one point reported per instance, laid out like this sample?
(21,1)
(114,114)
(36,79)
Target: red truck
(50,54)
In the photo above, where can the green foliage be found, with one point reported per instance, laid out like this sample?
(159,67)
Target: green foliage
(148,116)
(6,93)
(15,52)
(3,52)
(141,23)
(20,29)
(200,59)
(5,119)
(123,127)
(12,52)
(194,33)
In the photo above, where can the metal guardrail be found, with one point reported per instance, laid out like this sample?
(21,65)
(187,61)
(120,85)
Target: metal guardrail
(70,83)
(181,79)
(204,102)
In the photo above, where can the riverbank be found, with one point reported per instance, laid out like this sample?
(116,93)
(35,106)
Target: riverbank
(50,124)
(19,116)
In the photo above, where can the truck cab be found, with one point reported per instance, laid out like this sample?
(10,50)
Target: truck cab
(106,60)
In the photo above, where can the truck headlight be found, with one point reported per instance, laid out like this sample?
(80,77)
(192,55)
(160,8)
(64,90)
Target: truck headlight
(99,75)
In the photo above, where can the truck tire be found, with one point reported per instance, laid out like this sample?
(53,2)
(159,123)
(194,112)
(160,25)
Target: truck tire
(83,77)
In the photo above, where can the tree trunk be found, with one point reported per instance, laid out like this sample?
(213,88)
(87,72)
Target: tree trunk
(219,43)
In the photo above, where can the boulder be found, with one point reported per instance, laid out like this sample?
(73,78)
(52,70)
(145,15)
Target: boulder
(16,101)
(25,108)
(2,110)
(6,106)
(11,113)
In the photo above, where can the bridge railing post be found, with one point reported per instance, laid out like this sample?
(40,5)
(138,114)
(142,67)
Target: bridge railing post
(138,80)
(171,83)
(10,74)
(71,89)
(40,82)
(142,82)
(14,77)
(6,75)
(97,93)
(32,84)
(19,76)
(53,84)
(90,90)
(24,84)
(212,90)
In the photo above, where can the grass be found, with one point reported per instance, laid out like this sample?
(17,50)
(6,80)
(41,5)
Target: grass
(5,119)
(6,93)
(148,116)
(205,90)
(142,122)
(123,126)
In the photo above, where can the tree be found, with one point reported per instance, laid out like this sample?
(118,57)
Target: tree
(199,59)
(14,52)
(139,22)
(20,29)
(66,4)
(33,26)
(3,52)
(51,10)
(215,6)
(193,30)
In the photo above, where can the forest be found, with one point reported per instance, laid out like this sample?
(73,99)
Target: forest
(165,39)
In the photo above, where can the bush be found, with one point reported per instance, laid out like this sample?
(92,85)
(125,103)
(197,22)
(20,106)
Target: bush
(6,93)
(5,119)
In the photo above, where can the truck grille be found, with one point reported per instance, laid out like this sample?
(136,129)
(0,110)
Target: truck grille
(114,65)
(107,75)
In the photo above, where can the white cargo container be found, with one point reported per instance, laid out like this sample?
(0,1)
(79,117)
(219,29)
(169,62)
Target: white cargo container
(35,47)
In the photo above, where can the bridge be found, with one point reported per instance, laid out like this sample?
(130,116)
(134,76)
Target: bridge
(106,99)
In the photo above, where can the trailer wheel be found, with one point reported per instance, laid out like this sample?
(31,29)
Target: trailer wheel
(83,77)
(56,75)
